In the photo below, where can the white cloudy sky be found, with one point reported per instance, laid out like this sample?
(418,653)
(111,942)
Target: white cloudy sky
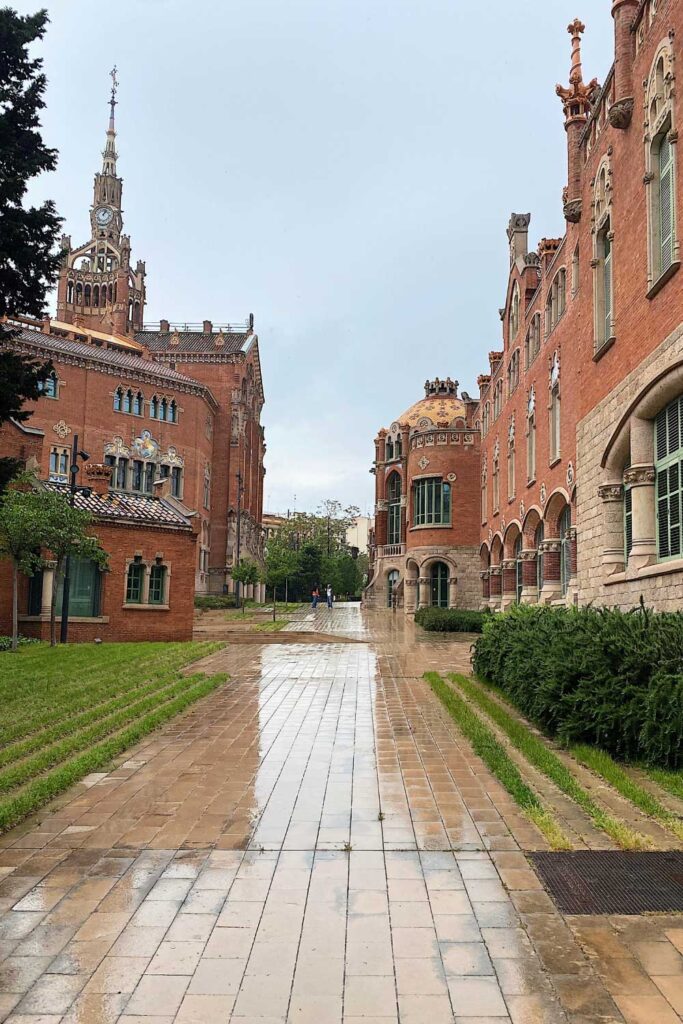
(344,169)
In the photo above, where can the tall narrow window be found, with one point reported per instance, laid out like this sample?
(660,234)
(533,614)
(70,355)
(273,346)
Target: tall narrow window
(176,482)
(388,450)
(665,162)
(157,581)
(49,387)
(538,542)
(603,292)
(439,574)
(138,404)
(59,464)
(554,411)
(513,322)
(511,460)
(207,487)
(565,548)
(118,400)
(484,494)
(519,579)
(496,483)
(531,435)
(394,509)
(669,480)
(660,159)
(128,401)
(134,580)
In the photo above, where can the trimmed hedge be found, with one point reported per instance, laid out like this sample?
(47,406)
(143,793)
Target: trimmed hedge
(450,620)
(214,602)
(600,676)
(22,641)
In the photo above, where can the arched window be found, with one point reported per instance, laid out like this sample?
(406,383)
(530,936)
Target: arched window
(392,580)
(576,268)
(136,312)
(163,409)
(207,487)
(511,460)
(538,543)
(519,581)
(439,589)
(95,295)
(513,372)
(128,401)
(496,479)
(88,295)
(398,447)
(513,322)
(157,584)
(531,436)
(154,407)
(388,449)
(602,256)
(138,403)
(660,159)
(431,502)
(497,399)
(669,480)
(486,418)
(565,548)
(556,302)
(69,291)
(394,509)
(484,493)
(172,411)
(532,345)
(118,400)
(554,409)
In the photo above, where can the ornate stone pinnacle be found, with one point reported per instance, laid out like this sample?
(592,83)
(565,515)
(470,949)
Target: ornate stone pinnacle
(576,99)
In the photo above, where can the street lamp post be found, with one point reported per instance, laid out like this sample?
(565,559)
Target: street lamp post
(73,473)
(240,491)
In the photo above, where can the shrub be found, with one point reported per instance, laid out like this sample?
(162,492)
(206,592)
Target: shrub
(6,642)
(214,602)
(450,620)
(592,675)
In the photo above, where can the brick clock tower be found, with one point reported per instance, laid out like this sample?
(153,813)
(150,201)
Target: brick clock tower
(98,289)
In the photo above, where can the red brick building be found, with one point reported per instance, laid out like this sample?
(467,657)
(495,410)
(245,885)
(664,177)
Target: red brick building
(165,407)
(425,544)
(581,410)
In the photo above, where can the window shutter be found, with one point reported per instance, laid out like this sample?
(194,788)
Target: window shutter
(607,270)
(628,520)
(666,204)
(674,509)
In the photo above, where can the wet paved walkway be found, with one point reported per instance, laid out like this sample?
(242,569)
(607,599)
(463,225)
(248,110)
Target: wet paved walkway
(313,843)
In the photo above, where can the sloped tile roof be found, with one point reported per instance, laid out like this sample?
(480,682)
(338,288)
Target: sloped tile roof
(125,507)
(194,341)
(104,356)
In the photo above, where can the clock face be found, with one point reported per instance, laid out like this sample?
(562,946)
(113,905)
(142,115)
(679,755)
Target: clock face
(103,215)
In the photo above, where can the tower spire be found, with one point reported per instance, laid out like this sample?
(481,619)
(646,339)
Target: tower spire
(109,153)
(576,100)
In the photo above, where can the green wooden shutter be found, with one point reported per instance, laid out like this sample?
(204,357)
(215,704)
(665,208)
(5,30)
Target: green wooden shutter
(628,520)
(666,204)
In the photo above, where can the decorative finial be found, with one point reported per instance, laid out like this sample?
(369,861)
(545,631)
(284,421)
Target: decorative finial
(576,100)
(114,87)
(109,154)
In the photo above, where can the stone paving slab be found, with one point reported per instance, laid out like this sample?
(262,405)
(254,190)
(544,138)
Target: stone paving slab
(314,842)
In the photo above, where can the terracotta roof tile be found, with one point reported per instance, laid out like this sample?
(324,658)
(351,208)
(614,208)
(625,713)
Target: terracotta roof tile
(194,341)
(125,507)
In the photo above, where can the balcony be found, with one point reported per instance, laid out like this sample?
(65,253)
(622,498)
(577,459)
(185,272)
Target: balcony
(390,550)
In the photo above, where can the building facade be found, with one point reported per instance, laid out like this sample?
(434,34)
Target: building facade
(178,405)
(425,542)
(580,413)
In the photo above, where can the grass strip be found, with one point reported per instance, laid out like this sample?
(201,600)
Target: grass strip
(44,789)
(43,684)
(270,627)
(542,758)
(17,774)
(496,759)
(603,765)
(671,781)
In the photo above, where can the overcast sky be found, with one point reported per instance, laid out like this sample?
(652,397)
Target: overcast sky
(344,169)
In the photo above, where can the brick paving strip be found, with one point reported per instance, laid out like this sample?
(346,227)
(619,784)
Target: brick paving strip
(314,842)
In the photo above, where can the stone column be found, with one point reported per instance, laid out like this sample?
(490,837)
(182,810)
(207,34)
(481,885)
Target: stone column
(424,597)
(452,591)
(381,516)
(485,578)
(529,576)
(496,581)
(409,595)
(146,576)
(612,497)
(48,586)
(572,589)
(641,479)
(509,589)
(552,584)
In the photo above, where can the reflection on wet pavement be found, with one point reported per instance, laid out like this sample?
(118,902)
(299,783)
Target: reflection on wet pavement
(314,842)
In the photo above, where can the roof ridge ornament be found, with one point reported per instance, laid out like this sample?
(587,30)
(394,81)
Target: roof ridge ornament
(109,154)
(576,100)
(441,387)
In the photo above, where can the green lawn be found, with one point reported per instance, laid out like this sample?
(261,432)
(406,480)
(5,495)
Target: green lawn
(67,711)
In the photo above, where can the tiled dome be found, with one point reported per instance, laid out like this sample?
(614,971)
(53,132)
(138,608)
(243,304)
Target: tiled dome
(440,404)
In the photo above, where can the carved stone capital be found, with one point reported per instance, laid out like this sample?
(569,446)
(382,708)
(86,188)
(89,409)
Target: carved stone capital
(640,476)
(485,574)
(621,112)
(409,582)
(528,555)
(495,570)
(382,505)
(572,210)
(611,492)
(508,563)
(571,533)
(551,545)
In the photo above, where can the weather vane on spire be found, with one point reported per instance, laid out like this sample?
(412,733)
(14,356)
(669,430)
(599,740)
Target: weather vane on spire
(114,87)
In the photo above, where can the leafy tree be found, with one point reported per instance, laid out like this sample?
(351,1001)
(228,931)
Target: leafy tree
(29,260)
(246,573)
(65,534)
(22,521)
(281,566)
(310,568)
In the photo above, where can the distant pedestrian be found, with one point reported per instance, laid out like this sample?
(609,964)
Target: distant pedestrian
(329,596)
(315,597)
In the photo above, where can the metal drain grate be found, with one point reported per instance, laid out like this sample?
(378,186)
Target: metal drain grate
(611,882)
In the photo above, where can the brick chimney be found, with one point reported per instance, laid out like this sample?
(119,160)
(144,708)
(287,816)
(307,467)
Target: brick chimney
(164,326)
(621,111)
(518,235)
(97,477)
(576,102)
(162,488)
(208,327)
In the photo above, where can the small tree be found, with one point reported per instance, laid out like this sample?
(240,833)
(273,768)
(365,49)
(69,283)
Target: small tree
(66,535)
(281,565)
(246,573)
(23,521)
